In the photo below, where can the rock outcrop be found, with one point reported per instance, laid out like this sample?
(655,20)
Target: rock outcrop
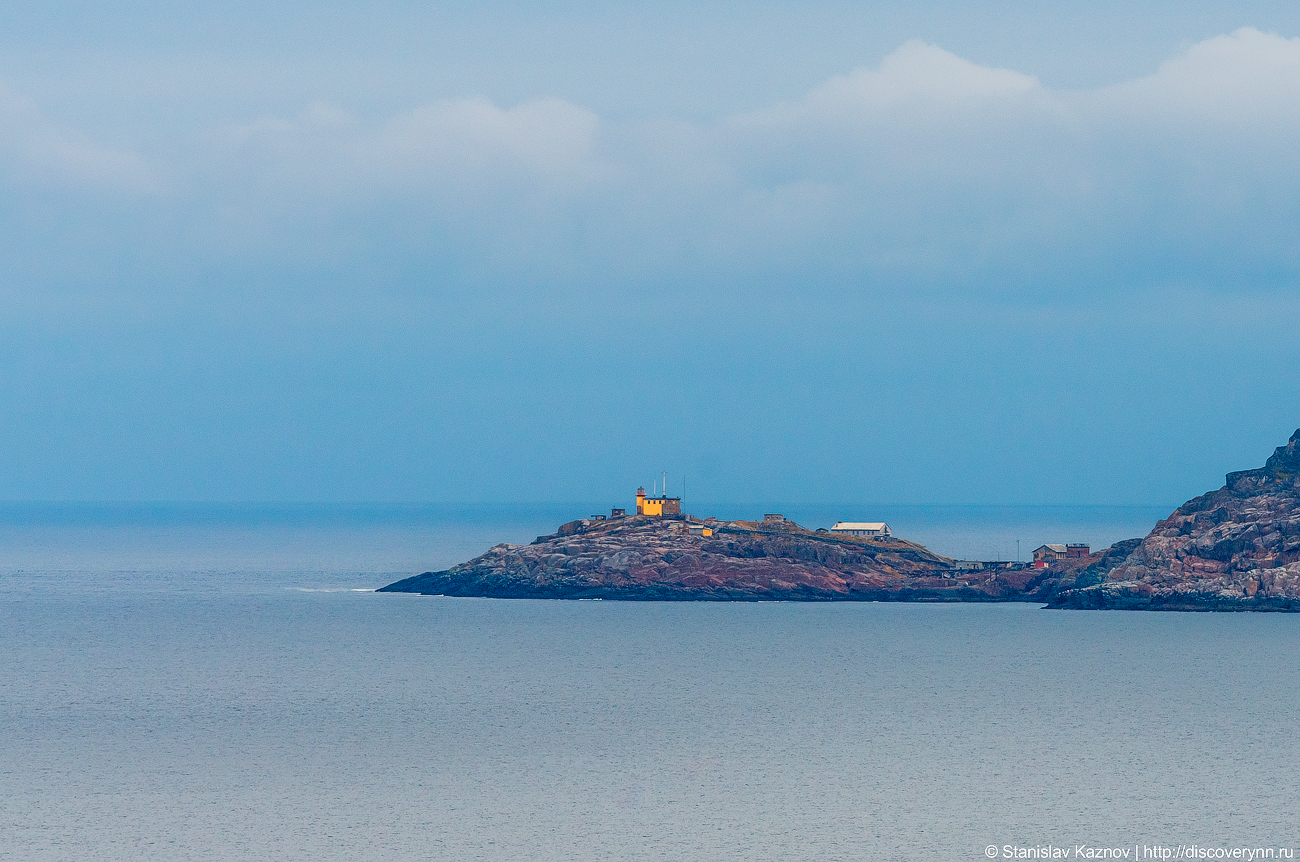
(640,558)
(1234,549)
(1078,572)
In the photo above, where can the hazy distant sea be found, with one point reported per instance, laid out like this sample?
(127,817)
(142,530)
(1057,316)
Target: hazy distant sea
(217,683)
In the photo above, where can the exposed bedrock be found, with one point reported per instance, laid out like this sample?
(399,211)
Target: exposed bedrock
(1234,549)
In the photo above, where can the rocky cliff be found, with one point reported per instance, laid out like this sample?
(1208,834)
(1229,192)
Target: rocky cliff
(661,559)
(1236,549)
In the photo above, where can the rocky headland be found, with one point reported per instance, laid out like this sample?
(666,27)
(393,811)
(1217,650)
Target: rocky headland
(1234,549)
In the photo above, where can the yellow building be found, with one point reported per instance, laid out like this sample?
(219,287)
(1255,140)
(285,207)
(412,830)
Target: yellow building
(657,507)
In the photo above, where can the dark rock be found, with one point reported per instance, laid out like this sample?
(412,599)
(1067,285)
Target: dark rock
(1234,549)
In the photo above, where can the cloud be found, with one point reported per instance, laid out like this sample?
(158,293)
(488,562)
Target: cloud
(34,151)
(982,242)
(548,136)
(915,77)
(937,170)
(925,171)
(446,143)
(1244,77)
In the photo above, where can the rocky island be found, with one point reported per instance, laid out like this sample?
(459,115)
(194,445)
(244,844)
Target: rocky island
(1237,548)
(671,558)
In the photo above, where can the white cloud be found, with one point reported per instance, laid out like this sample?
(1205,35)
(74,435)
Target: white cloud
(34,150)
(550,136)
(926,166)
(937,168)
(917,72)
(1247,76)
(447,143)
(923,132)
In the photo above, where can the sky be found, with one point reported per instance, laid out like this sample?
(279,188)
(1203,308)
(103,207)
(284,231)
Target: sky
(997,253)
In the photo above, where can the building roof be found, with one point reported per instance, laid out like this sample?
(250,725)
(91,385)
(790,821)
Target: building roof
(1060,549)
(860,525)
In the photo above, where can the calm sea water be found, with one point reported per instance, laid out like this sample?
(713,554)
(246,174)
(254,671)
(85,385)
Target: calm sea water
(216,684)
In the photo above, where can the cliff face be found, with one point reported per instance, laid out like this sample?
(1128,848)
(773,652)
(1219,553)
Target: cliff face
(1237,548)
(653,559)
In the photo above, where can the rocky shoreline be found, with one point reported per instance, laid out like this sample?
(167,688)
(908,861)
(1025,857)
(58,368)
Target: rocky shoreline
(1234,549)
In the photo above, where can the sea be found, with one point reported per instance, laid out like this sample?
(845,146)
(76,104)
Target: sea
(220,682)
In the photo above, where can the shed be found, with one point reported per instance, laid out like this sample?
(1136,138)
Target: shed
(1049,553)
(870,529)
